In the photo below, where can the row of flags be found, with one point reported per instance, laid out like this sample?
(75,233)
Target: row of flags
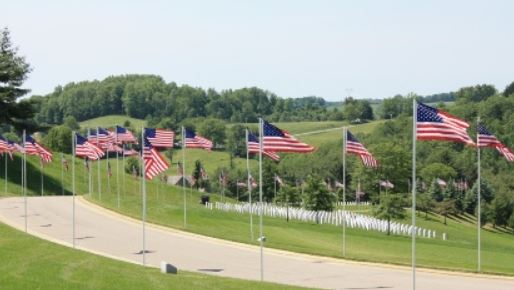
(437,125)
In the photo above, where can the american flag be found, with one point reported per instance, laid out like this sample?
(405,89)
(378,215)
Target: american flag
(196,141)
(124,136)
(386,184)
(4,146)
(338,184)
(154,162)
(440,182)
(34,148)
(160,137)
(434,124)
(241,184)
(276,140)
(353,146)
(506,152)
(130,152)
(86,149)
(252,145)
(487,139)
(13,147)
(102,138)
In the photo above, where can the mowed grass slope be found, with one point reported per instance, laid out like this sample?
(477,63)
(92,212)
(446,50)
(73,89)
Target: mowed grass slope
(31,263)
(165,207)
(112,120)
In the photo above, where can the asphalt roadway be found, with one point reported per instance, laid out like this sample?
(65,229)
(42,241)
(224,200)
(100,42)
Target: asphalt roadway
(109,234)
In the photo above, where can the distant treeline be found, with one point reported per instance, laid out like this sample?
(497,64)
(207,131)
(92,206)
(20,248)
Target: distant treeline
(150,97)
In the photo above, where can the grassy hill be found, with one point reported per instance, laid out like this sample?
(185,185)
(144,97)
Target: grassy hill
(165,207)
(31,263)
(112,120)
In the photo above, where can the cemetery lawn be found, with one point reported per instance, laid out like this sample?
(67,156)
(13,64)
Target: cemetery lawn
(31,263)
(165,207)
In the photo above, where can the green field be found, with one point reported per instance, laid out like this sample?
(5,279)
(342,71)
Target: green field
(112,120)
(165,208)
(31,263)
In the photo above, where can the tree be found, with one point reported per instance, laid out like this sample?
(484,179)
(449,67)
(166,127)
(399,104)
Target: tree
(435,191)
(316,196)
(502,208)
(13,72)
(509,90)
(425,203)
(213,129)
(390,207)
(71,123)
(438,170)
(288,195)
(236,143)
(446,208)
(197,174)
(470,200)
(59,139)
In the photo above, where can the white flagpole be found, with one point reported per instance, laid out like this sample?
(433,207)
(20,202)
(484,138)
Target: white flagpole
(99,175)
(344,190)
(249,186)
(123,166)
(74,144)
(117,169)
(413,233)
(23,177)
(62,173)
(143,188)
(479,218)
(261,240)
(41,168)
(5,185)
(184,173)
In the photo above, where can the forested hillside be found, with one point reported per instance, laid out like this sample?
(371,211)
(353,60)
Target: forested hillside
(150,97)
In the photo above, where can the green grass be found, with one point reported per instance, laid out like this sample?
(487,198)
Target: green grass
(165,208)
(112,120)
(31,263)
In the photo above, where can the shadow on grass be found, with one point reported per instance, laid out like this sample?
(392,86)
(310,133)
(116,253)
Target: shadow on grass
(52,186)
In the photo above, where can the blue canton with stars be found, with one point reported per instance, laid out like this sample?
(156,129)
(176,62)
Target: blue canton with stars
(428,114)
(272,131)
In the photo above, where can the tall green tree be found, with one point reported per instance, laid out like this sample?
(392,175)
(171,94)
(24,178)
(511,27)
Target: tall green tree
(390,207)
(14,70)
(316,196)
(59,139)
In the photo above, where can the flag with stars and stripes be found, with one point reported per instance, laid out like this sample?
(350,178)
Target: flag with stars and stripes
(194,140)
(252,145)
(487,139)
(155,164)
(437,125)
(353,146)
(83,148)
(123,135)
(34,148)
(160,138)
(277,140)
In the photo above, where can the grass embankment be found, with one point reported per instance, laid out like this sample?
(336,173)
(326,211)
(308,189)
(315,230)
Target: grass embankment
(31,263)
(112,120)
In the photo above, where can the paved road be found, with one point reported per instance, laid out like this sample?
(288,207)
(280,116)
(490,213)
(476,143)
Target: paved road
(113,235)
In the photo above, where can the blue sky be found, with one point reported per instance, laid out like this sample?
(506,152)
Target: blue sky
(292,48)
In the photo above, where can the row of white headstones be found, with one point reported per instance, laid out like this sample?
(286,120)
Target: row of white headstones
(337,217)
